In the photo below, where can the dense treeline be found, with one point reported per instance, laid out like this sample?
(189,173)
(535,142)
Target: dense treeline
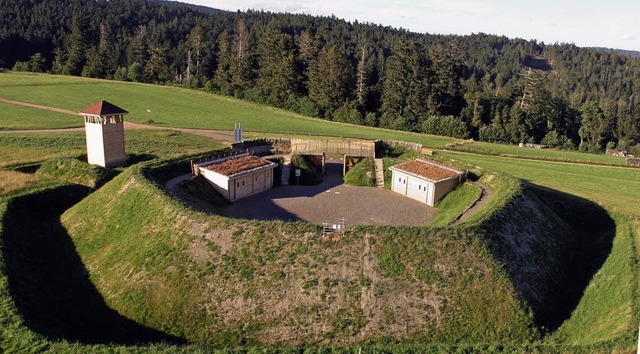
(482,86)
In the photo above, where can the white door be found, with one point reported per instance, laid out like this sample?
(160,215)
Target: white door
(417,189)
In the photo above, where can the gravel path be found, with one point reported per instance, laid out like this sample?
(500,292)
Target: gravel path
(172,185)
(332,201)
(484,197)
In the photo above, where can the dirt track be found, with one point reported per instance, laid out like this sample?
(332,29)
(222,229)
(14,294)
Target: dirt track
(484,197)
(214,134)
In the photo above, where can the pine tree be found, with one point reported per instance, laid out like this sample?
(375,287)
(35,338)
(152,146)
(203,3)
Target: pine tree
(595,127)
(361,77)
(277,76)
(308,48)
(447,68)
(222,78)
(100,62)
(406,87)
(330,79)
(78,46)
(241,67)
(139,47)
(195,53)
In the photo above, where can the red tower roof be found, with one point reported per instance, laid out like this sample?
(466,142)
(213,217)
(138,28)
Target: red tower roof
(103,108)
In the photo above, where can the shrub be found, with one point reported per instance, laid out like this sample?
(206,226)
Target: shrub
(445,125)
(348,113)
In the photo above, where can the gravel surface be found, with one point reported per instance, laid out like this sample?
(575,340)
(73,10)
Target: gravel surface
(332,200)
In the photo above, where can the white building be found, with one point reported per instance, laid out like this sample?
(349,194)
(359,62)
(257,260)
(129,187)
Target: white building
(104,128)
(238,176)
(425,181)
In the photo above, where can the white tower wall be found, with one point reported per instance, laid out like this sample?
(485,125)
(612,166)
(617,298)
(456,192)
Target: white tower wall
(105,142)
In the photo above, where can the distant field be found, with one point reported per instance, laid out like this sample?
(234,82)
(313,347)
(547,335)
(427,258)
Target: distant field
(18,117)
(484,148)
(615,188)
(178,107)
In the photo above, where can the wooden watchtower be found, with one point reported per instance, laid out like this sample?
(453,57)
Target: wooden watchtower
(104,127)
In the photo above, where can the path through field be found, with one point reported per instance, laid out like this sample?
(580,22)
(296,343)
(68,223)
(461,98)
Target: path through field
(484,197)
(214,134)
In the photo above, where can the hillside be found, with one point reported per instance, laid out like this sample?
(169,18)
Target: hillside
(463,86)
(237,282)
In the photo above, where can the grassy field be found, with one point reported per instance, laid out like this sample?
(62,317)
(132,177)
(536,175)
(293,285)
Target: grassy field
(607,311)
(21,149)
(617,189)
(178,107)
(483,148)
(14,117)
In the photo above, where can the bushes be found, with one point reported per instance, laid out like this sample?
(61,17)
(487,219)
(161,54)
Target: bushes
(445,125)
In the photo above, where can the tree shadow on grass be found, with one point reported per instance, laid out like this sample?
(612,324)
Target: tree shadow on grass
(595,231)
(49,282)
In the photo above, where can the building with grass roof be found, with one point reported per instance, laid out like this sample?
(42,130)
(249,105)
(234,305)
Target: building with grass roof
(238,176)
(425,181)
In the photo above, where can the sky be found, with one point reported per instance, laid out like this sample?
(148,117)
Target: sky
(586,23)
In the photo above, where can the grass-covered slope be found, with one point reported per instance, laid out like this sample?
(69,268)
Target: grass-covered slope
(608,309)
(214,279)
(361,174)
(74,171)
(177,107)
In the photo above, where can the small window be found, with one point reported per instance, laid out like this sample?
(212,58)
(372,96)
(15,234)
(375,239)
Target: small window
(238,184)
(243,183)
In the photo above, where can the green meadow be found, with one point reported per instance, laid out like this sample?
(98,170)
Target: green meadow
(182,108)
(503,150)
(615,188)
(13,117)
(21,149)
(168,106)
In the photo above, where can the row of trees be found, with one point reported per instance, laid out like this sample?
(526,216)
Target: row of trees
(486,87)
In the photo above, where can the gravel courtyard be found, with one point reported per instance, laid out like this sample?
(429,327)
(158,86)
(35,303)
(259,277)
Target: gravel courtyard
(332,200)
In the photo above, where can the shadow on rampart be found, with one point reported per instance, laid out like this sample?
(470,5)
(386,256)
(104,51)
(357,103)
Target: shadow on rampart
(49,282)
(582,256)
